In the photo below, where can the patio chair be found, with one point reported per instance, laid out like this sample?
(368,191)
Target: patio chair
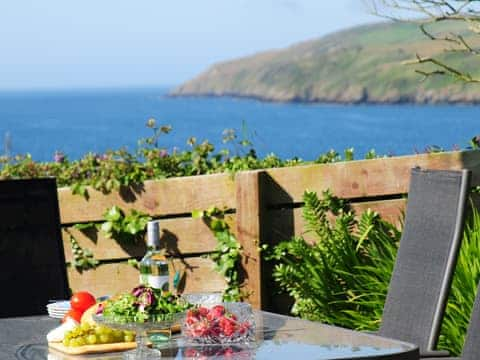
(471,348)
(32,261)
(426,258)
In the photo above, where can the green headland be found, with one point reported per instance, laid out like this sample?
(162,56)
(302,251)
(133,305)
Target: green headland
(361,64)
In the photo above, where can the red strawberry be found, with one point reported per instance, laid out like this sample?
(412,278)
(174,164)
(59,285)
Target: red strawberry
(228,352)
(244,327)
(214,331)
(218,310)
(191,353)
(191,320)
(223,321)
(228,329)
(200,328)
(211,316)
(203,311)
(192,312)
(192,316)
(227,326)
(231,316)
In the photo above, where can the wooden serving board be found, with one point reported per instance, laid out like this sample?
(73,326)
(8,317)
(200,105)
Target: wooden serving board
(92,349)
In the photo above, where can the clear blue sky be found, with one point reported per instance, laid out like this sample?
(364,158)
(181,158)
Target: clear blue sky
(109,43)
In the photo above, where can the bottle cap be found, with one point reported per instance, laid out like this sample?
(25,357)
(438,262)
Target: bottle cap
(153,233)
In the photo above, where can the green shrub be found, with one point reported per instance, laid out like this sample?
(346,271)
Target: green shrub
(150,161)
(342,279)
(464,287)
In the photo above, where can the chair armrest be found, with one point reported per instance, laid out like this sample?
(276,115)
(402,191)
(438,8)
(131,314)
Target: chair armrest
(434,354)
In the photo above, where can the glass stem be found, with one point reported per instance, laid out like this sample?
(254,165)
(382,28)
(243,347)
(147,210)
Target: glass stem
(141,339)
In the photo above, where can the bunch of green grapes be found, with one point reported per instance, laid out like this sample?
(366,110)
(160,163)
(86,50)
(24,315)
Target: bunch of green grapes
(87,334)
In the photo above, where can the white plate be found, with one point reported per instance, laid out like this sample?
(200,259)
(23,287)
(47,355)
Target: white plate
(56,316)
(59,305)
(58,310)
(56,313)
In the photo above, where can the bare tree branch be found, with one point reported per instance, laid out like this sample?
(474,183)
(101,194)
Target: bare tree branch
(428,14)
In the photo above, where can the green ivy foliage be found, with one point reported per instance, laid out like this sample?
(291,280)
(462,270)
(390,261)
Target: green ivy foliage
(83,258)
(128,228)
(227,255)
(125,228)
(150,161)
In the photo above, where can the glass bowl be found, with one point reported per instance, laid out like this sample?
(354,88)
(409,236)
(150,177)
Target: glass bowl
(220,324)
(143,352)
(207,299)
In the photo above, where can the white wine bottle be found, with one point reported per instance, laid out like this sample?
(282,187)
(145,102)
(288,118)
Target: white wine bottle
(154,265)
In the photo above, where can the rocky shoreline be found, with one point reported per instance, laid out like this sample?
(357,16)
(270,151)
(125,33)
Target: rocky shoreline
(355,66)
(411,100)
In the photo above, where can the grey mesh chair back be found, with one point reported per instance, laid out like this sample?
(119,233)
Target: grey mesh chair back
(426,258)
(32,261)
(471,348)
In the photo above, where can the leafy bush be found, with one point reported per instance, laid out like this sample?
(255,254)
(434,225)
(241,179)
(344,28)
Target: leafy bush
(464,287)
(341,279)
(116,168)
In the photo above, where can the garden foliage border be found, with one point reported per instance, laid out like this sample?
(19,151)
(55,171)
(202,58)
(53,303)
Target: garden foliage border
(262,207)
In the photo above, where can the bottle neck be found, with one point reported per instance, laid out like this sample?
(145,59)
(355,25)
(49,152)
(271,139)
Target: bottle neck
(153,248)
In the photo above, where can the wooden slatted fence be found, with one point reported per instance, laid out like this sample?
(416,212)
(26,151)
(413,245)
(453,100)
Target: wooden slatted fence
(266,208)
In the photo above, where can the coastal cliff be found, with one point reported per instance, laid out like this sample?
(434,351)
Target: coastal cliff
(364,64)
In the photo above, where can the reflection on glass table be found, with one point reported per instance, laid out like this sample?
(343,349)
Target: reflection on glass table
(277,337)
(143,352)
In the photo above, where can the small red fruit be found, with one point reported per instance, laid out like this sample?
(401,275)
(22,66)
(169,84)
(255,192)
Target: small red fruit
(203,311)
(219,310)
(200,328)
(74,314)
(244,327)
(228,329)
(82,300)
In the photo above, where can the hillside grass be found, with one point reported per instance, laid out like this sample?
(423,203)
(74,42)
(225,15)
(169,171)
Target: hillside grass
(365,63)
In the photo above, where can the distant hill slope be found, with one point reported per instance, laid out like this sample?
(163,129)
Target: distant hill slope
(362,64)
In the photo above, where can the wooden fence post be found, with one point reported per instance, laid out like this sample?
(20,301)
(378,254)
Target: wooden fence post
(249,229)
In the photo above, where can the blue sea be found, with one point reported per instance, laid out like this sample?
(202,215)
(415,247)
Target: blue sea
(80,121)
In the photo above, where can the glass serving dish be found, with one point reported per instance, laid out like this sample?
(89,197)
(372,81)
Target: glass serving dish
(207,299)
(220,324)
(143,352)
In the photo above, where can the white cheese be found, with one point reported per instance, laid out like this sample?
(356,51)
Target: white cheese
(57,334)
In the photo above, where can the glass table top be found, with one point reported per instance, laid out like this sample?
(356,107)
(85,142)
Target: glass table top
(277,337)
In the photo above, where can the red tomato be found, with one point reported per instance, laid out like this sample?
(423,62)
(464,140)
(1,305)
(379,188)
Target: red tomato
(82,300)
(74,314)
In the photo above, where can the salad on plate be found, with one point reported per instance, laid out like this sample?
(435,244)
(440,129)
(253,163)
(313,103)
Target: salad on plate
(143,304)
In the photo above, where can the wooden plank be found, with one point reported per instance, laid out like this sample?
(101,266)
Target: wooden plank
(364,178)
(106,279)
(200,276)
(113,278)
(390,210)
(353,179)
(102,248)
(181,236)
(189,236)
(157,198)
(285,223)
(249,232)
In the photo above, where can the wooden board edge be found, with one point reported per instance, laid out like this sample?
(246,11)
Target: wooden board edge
(92,349)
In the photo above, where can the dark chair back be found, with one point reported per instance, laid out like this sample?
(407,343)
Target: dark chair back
(32,261)
(426,258)
(471,348)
